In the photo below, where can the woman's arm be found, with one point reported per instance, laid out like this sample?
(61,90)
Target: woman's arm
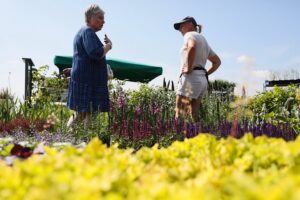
(92,45)
(191,52)
(106,49)
(216,62)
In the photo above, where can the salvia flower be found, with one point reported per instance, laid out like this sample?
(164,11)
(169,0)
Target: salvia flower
(121,100)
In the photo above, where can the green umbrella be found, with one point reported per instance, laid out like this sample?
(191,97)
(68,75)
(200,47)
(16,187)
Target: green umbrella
(123,70)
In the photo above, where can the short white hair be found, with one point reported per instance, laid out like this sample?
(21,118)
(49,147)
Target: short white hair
(91,11)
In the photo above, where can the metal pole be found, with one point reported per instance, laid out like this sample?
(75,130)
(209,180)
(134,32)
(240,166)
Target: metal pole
(28,78)
(30,83)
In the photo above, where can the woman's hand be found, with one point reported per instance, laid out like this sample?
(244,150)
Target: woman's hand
(186,70)
(107,41)
(67,72)
(108,45)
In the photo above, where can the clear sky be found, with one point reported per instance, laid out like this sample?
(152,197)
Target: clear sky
(251,37)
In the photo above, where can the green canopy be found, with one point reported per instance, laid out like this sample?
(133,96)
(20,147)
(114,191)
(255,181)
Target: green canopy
(123,70)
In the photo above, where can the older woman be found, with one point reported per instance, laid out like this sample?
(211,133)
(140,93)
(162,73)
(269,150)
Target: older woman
(88,91)
(194,77)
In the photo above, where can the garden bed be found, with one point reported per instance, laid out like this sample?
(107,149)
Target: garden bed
(203,167)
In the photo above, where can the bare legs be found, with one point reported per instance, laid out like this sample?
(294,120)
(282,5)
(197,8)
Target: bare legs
(183,106)
(187,106)
(195,109)
(80,116)
(178,106)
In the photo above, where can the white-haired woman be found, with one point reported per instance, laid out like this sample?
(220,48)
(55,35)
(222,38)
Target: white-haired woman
(88,91)
(193,80)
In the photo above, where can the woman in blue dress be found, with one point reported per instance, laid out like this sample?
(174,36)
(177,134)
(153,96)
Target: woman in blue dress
(88,91)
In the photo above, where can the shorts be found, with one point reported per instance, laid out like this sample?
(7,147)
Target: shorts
(192,85)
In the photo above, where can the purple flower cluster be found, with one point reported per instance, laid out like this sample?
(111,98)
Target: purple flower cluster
(143,129)
(37,137)
(238,130)
(149,117)
(121,100)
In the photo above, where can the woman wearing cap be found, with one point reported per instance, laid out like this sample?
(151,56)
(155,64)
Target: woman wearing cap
(193,80)
(88,91)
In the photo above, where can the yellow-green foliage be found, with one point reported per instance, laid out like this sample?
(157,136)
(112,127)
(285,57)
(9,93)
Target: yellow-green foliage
(199,168)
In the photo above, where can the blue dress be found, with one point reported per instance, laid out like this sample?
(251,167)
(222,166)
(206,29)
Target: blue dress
(88,91)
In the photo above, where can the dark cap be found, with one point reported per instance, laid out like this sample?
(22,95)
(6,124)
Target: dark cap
(186,19)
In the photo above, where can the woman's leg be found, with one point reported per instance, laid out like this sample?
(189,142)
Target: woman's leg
(178,106)
(183,106)
(87,120)
(79,116)
(195,109)
(72,120)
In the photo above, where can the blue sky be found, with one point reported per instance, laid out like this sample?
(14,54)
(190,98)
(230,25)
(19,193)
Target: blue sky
(251,37)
